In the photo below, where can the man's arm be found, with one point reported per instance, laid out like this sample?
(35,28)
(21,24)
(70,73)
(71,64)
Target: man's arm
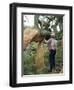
(46,41)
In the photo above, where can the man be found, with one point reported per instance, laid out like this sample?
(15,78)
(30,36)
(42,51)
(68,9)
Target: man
(52,43)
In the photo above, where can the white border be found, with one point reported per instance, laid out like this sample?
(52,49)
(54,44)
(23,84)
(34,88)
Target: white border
(47,77)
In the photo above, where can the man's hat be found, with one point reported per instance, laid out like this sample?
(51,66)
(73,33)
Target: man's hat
(53,34)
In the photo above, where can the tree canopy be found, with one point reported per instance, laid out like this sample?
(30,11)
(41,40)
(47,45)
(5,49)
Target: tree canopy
(48,23)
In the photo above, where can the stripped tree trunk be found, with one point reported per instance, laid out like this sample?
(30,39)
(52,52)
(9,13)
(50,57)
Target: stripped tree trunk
(32,34)
(39,59)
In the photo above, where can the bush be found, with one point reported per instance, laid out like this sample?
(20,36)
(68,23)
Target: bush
(29,59)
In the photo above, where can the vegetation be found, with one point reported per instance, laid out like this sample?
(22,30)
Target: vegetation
(46,24)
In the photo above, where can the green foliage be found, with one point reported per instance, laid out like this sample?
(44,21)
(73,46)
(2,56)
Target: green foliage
(48,23)
(29,59)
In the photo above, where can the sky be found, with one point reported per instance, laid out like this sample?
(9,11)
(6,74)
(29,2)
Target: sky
(28,20)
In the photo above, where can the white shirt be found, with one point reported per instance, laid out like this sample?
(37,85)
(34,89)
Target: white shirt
(52,43)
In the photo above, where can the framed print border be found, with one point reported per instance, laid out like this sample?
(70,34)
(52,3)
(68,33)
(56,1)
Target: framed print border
(13,44)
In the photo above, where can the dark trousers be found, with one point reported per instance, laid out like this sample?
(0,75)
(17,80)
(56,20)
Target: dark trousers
(52,59)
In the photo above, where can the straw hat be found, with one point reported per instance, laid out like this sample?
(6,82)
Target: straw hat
(52,34)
